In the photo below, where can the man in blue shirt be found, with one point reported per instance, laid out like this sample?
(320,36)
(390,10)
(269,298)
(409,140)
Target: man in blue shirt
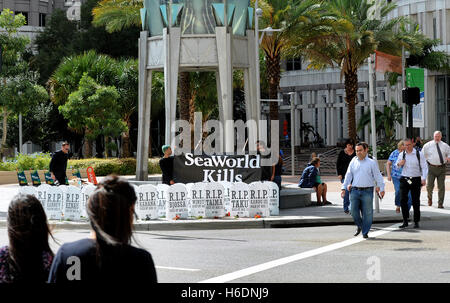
(362,176)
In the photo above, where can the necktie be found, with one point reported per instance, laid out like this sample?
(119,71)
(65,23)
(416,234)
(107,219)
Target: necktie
(440,153)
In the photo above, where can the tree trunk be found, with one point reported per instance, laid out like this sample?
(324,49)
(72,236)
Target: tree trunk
(351,90)
(5,132)
(273,73)
(184,91)
(87,148)
(126,141)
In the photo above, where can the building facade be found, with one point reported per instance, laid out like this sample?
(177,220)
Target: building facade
(36,12)
(319,95)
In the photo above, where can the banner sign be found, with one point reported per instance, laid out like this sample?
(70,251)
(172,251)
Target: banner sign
(415,77)
(202,168)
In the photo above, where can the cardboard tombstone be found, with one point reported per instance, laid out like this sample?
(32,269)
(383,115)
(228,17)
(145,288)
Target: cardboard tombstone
(146,204)
(41,194)
(162,199)
(86,192)
(239,194)
(72,203)
(28,190)
(54,204)
(176,205)
(196,194)
(188,198)
(258,200)
(274,198)
(226,197)
(214,192)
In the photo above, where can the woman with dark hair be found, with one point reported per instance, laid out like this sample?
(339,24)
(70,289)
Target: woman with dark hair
(107,255)
(28,257)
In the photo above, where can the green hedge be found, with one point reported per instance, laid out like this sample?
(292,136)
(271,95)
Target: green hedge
(102,167)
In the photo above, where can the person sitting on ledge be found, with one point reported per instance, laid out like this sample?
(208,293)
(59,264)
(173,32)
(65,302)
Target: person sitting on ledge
(311,179)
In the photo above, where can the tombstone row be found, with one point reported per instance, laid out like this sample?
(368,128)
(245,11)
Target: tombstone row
(178,201)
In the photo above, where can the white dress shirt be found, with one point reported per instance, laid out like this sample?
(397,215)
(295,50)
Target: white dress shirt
(411,168)
(431,154)
(363,173)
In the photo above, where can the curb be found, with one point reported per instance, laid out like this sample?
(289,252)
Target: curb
(211,224)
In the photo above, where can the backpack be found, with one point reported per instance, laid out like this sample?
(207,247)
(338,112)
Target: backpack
(418,158)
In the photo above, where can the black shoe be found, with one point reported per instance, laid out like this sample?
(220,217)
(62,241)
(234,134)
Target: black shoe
(358,231)
(416,225)
(346,211)
(365,236)
(405,224)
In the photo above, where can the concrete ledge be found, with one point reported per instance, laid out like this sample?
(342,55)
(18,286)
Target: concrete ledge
(292,196)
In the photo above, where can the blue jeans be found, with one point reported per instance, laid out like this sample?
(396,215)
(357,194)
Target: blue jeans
(362,203)
(396,182)
(346,197)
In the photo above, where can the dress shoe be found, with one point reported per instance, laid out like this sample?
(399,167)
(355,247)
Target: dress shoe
(416,225)
(405,224)
(430,202)
(365,236)
(358,231)
(346,211)
(441,206)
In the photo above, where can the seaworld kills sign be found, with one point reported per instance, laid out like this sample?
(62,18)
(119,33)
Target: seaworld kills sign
(190,168)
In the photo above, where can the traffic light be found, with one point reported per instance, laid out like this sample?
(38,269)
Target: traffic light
(411,95)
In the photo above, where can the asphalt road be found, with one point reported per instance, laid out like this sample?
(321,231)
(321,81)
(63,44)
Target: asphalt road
(298,255)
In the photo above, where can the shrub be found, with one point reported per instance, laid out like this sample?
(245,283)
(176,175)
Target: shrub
(102,167)
(384,150)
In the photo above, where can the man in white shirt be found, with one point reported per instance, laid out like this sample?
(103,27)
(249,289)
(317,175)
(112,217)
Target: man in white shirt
(362,176)
(436,153)
(414,174)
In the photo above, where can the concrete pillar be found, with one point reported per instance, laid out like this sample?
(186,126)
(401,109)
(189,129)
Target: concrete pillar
(171,67)
(223,40)
(252,98)
(145,92)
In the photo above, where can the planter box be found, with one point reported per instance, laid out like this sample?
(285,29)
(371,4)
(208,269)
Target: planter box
(10,177)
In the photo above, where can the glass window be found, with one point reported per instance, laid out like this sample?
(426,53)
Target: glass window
(293,64)
(42,18)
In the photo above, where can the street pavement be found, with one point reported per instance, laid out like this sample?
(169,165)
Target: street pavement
(314,253)
(293,217)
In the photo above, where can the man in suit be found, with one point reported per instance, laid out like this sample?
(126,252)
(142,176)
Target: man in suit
(58,164)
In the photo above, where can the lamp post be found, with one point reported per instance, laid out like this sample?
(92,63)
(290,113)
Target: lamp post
(292,99)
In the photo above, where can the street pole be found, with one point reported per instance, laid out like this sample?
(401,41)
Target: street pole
(403,86)
(292,134)
(258,84)
(20,133)
(372,121)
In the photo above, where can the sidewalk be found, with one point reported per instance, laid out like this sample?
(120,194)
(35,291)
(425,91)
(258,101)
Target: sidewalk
(294,217)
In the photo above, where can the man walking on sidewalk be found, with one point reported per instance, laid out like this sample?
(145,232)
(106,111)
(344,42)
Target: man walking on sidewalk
(362,176)
(413,177)
(436,153)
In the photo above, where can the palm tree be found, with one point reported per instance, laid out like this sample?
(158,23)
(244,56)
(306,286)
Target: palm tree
(384,120)
(291,16)
(346,35)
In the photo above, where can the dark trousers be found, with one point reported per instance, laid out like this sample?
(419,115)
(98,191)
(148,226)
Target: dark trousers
(414,189)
